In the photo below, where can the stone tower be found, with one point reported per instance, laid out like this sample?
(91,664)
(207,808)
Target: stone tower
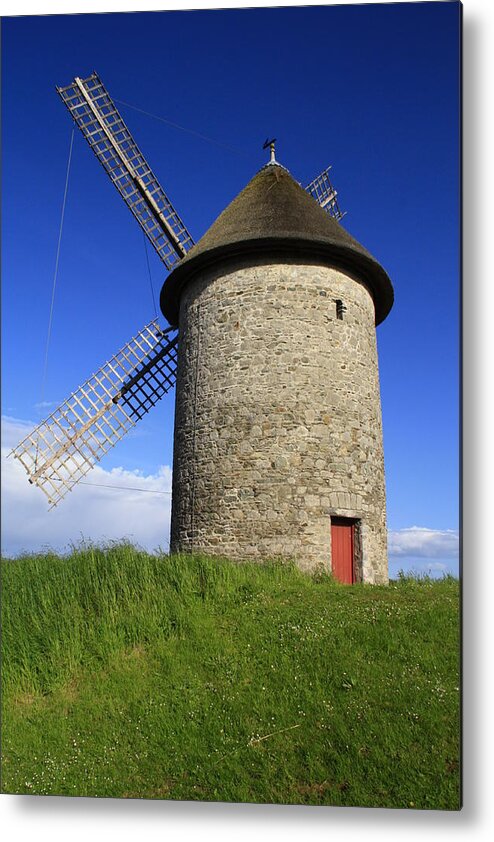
(278,437)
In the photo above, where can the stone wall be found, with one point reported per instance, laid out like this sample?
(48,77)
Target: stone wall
(278,416)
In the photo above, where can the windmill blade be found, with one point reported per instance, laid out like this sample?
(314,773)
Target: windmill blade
(325,195)
(93,110)
(62,449)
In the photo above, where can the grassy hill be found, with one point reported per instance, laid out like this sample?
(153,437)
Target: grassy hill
(130,675)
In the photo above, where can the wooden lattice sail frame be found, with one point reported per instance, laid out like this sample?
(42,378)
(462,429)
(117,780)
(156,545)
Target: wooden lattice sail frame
(95,113)
(63,448)
(322,190)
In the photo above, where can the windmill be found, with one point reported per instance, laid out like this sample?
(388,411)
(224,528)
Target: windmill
(64,447)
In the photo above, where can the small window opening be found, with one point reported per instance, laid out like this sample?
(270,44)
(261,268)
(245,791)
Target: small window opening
(340,309)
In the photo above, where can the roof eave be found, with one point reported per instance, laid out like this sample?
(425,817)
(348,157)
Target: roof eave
(367,270)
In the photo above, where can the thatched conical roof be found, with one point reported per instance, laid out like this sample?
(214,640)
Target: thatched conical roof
(274,215)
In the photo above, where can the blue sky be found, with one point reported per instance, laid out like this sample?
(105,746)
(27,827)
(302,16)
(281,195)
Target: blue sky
(372,90)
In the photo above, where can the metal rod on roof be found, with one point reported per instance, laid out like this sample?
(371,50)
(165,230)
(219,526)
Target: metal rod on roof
(270,143)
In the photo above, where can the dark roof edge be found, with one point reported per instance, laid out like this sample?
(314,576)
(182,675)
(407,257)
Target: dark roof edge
(368,270)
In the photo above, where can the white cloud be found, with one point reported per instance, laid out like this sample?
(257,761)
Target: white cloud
(421,542)
(45,404)
(89,512)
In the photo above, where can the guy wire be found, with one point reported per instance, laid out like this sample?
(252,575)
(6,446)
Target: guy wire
(50,320)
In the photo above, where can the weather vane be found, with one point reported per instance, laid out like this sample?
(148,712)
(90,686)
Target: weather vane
(270,143)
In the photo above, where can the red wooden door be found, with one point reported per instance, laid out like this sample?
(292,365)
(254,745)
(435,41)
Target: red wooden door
(342,551)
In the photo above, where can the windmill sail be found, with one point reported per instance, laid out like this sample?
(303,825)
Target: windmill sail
(93,110)
(62,449)
(325,195)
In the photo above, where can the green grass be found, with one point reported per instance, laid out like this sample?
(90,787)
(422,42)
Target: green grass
(131,675)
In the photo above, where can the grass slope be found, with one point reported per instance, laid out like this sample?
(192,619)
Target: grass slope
(130,675)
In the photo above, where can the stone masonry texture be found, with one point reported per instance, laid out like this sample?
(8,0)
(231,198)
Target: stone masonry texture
(278,415)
